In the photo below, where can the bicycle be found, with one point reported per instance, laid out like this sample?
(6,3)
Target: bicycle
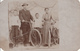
(34,36)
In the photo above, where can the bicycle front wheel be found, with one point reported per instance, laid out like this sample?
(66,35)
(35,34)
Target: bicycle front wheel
(35,37)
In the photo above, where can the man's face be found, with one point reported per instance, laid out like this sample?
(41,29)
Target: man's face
(24,7)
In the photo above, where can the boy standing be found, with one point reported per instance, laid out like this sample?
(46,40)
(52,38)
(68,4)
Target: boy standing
(38,22)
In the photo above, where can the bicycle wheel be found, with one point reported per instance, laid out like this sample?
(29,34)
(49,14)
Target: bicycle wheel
(11,36)
(35,37)
(11,44)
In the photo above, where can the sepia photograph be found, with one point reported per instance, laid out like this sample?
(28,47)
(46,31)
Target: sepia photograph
(33,24)
(40,25)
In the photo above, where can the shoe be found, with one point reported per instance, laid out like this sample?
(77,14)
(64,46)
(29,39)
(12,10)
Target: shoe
(45,45)
(25,44)
(30,44)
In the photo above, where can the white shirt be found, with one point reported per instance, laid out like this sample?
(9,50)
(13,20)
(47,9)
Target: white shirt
(14,20)
(38,23)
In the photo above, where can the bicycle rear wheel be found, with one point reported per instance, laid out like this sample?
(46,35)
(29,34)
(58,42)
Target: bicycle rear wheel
(35,37)
(11,44)
(11,36)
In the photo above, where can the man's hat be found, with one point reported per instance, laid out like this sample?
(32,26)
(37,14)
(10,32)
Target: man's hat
(25,4)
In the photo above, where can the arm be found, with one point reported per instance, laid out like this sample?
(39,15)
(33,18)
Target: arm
(43,19)
(20,16)
(52,20)
(32,18)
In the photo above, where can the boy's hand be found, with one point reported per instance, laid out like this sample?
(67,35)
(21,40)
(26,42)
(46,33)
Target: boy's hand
(33,20)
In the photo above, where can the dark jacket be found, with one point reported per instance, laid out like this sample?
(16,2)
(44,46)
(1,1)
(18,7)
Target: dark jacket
(25,15)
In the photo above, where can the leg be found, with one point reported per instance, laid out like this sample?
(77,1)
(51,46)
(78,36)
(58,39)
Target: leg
(49,43)
(25,41)
(23,28)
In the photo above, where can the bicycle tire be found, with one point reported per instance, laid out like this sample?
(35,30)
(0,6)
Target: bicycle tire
(39,36)
(11,36)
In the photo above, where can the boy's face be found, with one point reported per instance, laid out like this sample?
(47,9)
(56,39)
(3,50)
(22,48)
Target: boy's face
(37,16)
(47,10)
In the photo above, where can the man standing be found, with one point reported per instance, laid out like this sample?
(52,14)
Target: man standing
(24,16)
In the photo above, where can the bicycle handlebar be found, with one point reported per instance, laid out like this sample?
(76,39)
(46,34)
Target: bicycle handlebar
(29,23)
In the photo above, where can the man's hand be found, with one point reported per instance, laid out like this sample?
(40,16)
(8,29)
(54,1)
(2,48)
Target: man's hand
(23,20)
